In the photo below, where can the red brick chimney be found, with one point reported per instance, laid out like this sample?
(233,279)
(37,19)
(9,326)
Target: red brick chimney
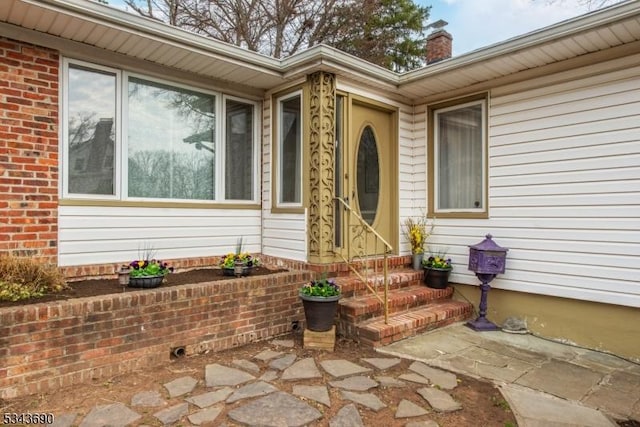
(438,46)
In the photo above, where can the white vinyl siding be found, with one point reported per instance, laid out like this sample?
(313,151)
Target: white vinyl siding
(564,190)
(101,235)
(412,169)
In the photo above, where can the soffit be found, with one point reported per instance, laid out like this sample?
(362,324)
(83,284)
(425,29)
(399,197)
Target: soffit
(121,32)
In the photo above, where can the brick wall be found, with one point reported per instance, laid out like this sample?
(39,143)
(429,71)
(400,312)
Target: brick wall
(109,271)
(28,150)
(97,271)
(44,347)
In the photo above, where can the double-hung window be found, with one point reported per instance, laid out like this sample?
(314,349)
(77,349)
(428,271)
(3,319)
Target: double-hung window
(457,154)
(289,150)
(131,137)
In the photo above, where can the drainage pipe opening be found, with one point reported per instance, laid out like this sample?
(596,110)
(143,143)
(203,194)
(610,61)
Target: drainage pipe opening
(295,326)
(178,352)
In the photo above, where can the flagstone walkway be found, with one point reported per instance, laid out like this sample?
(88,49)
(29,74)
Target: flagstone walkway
(446,378)
(272,388)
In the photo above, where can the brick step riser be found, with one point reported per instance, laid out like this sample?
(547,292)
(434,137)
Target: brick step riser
(393,333)
(354,287)
(394,263)
(409,332)
(418,321)
(396,305)
(360,290)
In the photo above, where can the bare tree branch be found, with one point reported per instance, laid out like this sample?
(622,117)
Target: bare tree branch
(380,31)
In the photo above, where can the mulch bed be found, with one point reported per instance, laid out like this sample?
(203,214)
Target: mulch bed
(95,287)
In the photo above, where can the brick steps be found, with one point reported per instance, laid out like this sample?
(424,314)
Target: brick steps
(413,308)
(359,309)
(351,286)
(409,323)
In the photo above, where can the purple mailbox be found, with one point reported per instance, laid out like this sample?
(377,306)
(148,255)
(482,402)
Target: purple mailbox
(487,260)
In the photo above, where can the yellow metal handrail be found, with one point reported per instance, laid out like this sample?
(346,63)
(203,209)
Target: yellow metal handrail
(364,254)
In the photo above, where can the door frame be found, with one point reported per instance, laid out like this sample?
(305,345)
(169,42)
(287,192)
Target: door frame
(349,145)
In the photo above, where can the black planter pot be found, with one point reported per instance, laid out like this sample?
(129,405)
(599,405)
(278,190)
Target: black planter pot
(231,271)
(437,278)
(320,312)
(146,281)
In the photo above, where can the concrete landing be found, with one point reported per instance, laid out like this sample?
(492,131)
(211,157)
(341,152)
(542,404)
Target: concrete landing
(546,383)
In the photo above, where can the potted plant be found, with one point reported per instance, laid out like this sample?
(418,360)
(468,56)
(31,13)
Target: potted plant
(238,263)
(148,273)
(416,231)
(436,270)
(320,301)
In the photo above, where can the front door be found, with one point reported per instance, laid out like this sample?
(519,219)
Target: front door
(369,162)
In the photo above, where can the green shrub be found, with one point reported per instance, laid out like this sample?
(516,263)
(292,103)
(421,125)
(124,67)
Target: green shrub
(23,278)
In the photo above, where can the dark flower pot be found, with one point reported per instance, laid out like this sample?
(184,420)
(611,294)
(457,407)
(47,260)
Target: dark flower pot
(437,278)
(320,312)
(231,271)
(146,281)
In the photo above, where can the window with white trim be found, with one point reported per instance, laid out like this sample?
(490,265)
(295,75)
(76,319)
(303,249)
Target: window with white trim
(131,137)
(289,150)
(240,150)
(459,158)
(90,129)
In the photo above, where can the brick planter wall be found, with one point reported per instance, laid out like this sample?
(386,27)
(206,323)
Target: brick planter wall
(28,150)
(46,346)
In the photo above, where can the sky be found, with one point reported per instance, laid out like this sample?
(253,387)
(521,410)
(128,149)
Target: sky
(474,24)
(479,23)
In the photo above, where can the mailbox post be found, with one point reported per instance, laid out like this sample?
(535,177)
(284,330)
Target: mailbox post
(486,260)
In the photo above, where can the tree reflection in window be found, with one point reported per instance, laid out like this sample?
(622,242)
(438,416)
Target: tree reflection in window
(290,146)
(368,172)
(238,150)
(171,142)
(91,131)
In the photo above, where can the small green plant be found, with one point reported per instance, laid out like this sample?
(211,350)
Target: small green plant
(24,278)
(438,260)
(140,268)
(322,287)
(509,424)
(147,265)
(245,258)
(500,403)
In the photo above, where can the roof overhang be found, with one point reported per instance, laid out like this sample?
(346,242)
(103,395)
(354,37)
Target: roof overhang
(602,30)
(114,30)
(101,27)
